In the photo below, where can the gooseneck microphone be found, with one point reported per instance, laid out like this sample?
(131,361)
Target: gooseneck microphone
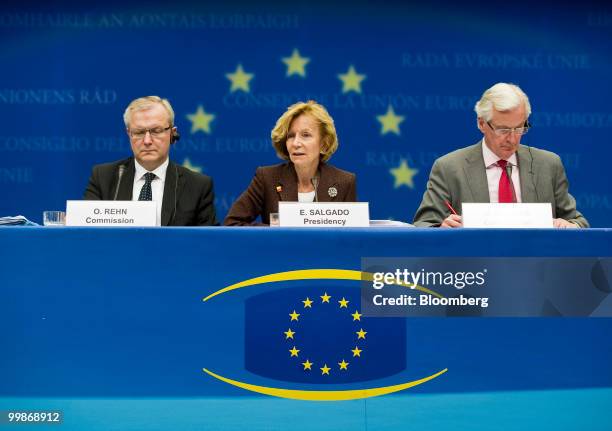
(176,175)
(509,174)
(531,173)
(119,177)
(315,184)
(509,171)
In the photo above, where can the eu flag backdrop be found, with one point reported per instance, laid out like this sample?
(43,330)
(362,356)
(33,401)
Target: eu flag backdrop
(400,79)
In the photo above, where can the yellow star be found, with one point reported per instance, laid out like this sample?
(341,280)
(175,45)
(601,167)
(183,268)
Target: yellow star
(294,316)
(403,175)
(200,120)
(289,334)
(187,164)
(307,303)
(296,64)
(294,352)
(356,351)
(307,365)
(356,315)
(343,365)
(343,303)
(325,369)
(240,79)
(390,122)
(361,334)
(325,297)
(351,80)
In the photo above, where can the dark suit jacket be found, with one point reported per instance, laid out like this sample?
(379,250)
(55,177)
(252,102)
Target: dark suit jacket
(272,184)
(190,192)
(461,176)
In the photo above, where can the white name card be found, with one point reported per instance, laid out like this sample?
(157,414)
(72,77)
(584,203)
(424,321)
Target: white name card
(506,215)
(324,214)
(111,213)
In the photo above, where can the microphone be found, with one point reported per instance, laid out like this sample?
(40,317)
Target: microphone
(315,184)
(175,195)
(119,176)
(531,173)
(509,173)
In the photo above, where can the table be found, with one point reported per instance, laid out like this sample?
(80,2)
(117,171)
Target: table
(110,326)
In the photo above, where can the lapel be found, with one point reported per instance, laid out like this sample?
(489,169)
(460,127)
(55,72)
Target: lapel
(326,182)
(527,175)
(127,181)
(287,182)
(172,189)
(476,174)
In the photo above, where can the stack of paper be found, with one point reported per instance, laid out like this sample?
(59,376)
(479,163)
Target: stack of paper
(16,221)
(389,223)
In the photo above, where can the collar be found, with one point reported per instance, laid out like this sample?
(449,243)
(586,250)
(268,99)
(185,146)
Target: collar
(490,158)
(160,171)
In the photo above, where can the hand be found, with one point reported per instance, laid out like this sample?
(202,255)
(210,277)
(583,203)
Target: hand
(452,220)
(564,224)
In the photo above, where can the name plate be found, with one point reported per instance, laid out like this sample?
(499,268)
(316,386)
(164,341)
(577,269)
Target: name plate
(111,213)
(324,214)
(519,215)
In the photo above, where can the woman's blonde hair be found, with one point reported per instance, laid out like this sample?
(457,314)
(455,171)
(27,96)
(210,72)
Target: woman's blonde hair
(329,139)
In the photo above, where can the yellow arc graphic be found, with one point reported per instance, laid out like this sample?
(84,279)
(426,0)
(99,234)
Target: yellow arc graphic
(304,395)
(310,274)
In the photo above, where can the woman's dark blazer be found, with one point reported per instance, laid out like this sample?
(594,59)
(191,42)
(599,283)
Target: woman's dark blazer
(272,184)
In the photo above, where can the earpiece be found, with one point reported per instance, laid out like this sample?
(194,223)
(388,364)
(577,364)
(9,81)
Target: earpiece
(175,136)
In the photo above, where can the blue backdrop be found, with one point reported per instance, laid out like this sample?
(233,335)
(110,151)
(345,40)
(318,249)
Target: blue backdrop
(399,78)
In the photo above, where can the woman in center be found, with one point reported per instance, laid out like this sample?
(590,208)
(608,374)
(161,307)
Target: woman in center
(305,137)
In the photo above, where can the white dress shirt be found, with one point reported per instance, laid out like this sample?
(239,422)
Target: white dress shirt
(494,173)
(157,185)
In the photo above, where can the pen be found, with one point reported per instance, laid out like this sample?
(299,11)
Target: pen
(447,203)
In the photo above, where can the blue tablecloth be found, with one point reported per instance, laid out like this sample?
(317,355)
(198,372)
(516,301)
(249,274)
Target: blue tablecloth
(109,325)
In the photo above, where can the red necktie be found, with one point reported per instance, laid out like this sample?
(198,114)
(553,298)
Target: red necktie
(506,192)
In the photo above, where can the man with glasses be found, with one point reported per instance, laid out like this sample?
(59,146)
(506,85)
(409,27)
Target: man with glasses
(498,168)
(185,197)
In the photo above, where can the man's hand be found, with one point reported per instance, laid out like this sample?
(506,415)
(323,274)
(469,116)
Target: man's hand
(453,220)
(564,224)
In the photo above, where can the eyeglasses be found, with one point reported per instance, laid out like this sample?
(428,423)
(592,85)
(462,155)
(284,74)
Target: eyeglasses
(505,131)
(155,133)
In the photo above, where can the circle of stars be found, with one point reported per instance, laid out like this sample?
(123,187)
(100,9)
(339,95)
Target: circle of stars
(308,365)
(296,66)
